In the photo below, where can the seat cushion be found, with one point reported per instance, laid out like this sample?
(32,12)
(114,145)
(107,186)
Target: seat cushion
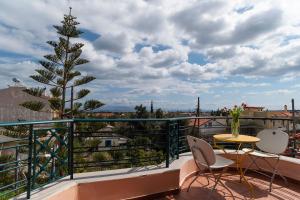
(221,162)
(260,153)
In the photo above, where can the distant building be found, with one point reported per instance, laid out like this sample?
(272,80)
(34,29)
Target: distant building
(284,115)
(6,141)
(208,126)
(10,109)
(251,110)
(103,114)
(111,139)
(108,138)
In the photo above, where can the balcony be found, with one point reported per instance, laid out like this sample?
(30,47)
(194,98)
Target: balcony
(145,158)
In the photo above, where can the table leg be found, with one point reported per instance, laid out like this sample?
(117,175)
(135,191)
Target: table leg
(237,158)
(218,147)
(240,159)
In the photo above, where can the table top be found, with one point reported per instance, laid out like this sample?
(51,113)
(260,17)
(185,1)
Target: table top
(239,139)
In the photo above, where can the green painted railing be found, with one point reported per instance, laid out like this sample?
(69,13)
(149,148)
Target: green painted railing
(41,152)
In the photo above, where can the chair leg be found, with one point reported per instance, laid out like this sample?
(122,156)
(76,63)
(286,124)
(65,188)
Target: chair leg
(227,188)
(218,180)
(275,169)
(284,179)
(252,162)
(274,174)
(207,177)
(195,178)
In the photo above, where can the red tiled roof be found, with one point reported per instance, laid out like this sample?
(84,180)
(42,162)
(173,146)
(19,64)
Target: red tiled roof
(256,107)
(199,122)
(281,114)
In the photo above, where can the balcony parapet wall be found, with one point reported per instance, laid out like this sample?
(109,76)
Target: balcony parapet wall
(136,183)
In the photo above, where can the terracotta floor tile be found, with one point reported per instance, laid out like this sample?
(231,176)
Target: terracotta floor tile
(200,189)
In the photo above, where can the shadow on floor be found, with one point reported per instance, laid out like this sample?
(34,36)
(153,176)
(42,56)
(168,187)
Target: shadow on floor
(200,189)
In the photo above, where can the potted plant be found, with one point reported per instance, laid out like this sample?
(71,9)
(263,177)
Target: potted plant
(235,113)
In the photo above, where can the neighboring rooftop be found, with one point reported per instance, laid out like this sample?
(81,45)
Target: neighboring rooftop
(10,100)
(6,139)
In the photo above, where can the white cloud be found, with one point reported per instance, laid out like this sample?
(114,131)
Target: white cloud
(19,70)
(257,39)
(113,44)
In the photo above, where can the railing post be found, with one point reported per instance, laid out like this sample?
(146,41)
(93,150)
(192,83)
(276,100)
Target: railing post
(168,146)
(17,166)
(33,178)
(227,122)
(29,167)
(178,143)
(70,150)
(294,128)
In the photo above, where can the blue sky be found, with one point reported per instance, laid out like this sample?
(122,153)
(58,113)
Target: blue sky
(171,52)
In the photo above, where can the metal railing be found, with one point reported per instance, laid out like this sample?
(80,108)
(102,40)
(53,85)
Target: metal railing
(40,152)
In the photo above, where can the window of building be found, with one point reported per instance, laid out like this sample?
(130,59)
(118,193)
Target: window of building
(107,143)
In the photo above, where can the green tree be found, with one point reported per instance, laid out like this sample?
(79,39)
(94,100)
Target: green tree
(102,156)
(60,73)
(159,113)
(141,112)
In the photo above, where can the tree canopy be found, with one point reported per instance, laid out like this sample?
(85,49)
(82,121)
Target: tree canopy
(59,74)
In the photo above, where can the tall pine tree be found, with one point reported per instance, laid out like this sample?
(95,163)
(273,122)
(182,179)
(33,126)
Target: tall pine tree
(59,74)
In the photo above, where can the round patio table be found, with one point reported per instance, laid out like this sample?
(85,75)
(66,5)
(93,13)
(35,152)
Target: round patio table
(240,140)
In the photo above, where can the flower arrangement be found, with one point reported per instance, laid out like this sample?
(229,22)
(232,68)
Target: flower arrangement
(235,113)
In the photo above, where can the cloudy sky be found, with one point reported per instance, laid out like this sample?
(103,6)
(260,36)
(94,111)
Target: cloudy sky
(170,51)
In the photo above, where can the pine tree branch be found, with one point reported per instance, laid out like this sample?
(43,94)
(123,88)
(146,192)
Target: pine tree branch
(80,94)
(64,43)
(76,107)
(37,92)
(52,43)
(72,75)
(92,105)
(60,72)
(47,75)
(83,80)
(75,55)
(60,54)
(80,61)
(51,67)
(75,47)
(55,103)
(33,105)
(41,79)
(56,92)
(53,58)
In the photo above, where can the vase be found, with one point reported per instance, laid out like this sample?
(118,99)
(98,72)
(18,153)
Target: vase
(235,128)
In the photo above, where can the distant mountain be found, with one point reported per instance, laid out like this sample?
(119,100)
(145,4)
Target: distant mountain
(115,108)
(123,108)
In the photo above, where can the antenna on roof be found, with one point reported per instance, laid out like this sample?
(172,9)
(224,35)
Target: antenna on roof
(15,80)
(17,83)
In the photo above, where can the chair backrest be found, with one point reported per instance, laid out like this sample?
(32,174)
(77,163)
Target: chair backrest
(272,141)
(203,152)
